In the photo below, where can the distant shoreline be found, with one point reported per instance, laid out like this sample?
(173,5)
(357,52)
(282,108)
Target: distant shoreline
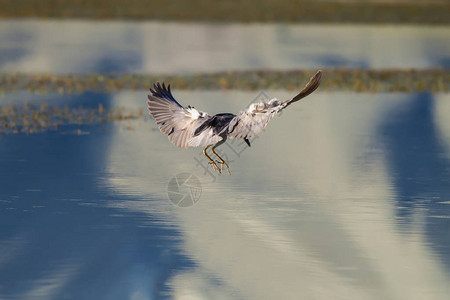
(245,11)
(355,80)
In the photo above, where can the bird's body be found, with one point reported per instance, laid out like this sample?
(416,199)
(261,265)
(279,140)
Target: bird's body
(189,127)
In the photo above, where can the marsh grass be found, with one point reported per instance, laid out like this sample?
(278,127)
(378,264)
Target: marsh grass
(303,11)
(29,118)
(358,80)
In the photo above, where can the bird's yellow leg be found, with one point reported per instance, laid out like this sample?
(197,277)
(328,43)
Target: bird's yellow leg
(221,161)
(211,161)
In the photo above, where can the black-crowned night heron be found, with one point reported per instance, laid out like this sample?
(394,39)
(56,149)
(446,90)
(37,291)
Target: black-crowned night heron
(189,127)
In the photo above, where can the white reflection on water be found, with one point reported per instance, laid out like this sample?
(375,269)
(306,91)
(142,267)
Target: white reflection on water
(311,209)
(92,46)
(52,282)
(442,110)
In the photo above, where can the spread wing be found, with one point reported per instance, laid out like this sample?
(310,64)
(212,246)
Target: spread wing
(310,87)
(250,122)
(177,122)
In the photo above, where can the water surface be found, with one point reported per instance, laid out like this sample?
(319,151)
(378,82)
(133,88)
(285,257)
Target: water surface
(342,196)
(155,47)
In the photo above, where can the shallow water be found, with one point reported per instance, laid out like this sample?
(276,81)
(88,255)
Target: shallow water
(143,47)
(343,196)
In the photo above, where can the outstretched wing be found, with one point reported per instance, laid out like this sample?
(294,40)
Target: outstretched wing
(250,122)
(177,122)
(310,87)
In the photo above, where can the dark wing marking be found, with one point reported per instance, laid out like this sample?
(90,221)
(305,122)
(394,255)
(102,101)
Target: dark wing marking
(177,122)
(218,123)
(163,92)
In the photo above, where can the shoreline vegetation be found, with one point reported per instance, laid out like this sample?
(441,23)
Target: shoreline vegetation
(357,80)
(32,118)
(29,118)
(246,11)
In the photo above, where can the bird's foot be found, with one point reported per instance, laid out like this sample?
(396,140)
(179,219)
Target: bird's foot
(215,166)
(223,163)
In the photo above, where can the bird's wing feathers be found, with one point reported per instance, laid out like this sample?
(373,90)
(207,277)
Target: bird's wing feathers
(184,127)
(162,92)
(248,123)
(177,122)
(310,87)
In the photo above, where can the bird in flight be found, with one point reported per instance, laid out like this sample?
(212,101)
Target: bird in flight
(189,127)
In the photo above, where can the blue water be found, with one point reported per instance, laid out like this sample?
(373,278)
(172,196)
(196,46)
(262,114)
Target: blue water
(360,194)
(59,241)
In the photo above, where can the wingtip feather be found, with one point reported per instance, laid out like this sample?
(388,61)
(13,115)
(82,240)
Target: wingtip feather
(310,87)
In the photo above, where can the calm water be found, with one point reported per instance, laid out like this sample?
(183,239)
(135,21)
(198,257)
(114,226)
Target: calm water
(345,191)
(343,196)
(81,46)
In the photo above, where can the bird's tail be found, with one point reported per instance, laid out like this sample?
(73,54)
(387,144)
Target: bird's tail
(312,85)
